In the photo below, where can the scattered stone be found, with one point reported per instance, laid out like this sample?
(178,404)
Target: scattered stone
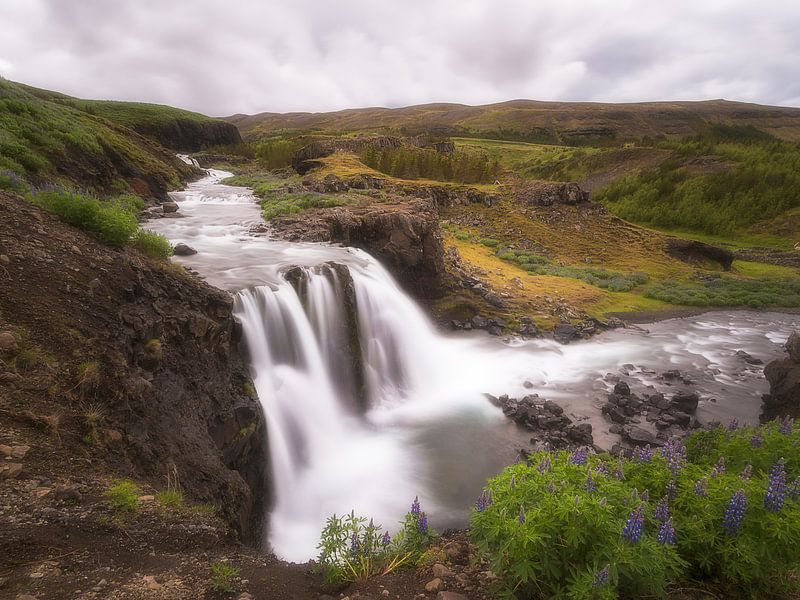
(10,470)
(441,571)
(245,596)
(41,492)
(67,493)
(450,596)
(184,250)
(564,333)
(622,389)
(434,585)
(150,583)
(169,207)
(147,498)
(686,401)
(19,451)
(527,327)
(637,436)
(8,343)
(4,259)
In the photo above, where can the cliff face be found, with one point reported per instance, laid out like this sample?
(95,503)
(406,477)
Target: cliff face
(134,364)
(186,135)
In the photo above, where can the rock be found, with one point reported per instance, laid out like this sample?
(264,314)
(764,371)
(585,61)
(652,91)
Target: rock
(245,596)
(19,452)
(553,408)
(8,343)
(622,389)
(750,360)
(686,401)
(150,583)
(614,413)
(4,260)
(450,596)
(67,493)
(679,418)
(639,437)
(10,470)
(434,585)
(441,571)
(783,376)
(147,498)
(659,401)
(182,249)
(169,207)
(694,252)
(26,597)
(793,346)
(41,492)
(527,327)
(565,333)
(5,450)
(581,434)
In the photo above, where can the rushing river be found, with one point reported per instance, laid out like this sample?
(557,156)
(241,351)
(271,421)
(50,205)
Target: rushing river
(428,429)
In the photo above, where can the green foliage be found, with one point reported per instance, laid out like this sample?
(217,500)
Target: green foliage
(276,203)
(549,531)
(602,278)
(154,245)
(276,153)
(464,166)
(12,182)
(352,549)
(223,577)
(170,498)
(728,291)
(113,222)
(123,496)
(756,178)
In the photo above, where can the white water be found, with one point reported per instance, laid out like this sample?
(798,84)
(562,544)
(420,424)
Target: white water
(429,431)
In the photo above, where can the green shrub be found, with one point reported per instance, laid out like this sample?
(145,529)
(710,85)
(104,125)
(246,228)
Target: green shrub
(462,165)
(154,245)
(170,498)
(112,221)
(123,496)
(222,577)
(275,204)
(12,182)
(352,549)
(728,291)
(561,525)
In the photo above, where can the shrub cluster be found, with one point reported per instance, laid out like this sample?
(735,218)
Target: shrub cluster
(464,166)
(602,278)
(353,549)
(275,203)
(728,291)
(724,509)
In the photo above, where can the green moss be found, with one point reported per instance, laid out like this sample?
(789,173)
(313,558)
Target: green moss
(123,496)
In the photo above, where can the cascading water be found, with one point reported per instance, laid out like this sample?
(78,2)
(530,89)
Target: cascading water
(367,405)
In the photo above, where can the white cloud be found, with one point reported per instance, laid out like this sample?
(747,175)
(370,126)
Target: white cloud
(287,55)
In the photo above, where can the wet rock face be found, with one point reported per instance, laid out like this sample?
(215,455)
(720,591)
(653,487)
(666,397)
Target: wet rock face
(783,376)
(175,393)
(185,135)
(405,237)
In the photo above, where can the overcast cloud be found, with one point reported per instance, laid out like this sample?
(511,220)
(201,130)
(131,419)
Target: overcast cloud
(224,57)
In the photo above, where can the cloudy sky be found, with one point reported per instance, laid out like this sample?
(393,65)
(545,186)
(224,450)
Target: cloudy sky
(223,57)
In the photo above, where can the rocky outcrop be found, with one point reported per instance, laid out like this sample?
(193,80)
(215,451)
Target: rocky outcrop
(142,368)
(189,135)
(783,376)
(306,158)
(405,237)
(694,252)
(548,193)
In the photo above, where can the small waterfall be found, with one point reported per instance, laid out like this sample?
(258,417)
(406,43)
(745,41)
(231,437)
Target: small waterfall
(326,344)
(189,160)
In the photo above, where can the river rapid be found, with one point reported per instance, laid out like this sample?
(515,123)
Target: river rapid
(428,429)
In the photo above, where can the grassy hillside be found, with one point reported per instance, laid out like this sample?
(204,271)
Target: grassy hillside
(563,123)
(45,139)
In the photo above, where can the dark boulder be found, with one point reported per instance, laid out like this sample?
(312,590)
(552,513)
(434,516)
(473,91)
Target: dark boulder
(622,389)
(564,333)
(184,250)
(783,376)
(685,401)
(694,252)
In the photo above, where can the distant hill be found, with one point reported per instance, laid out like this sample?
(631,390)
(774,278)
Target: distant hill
(173,128)
(573,123)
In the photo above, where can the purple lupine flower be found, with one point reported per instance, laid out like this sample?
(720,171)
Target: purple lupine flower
(746,473)
(776,489)
(484,500)
(632,532)
(700,487)
(756,441)
(601,577)
(544,465)
(644,455)
(513,482)
(521,516)
(672,489)
(579,456)
(355,544)
(662,510)
(734,513)
(785,425)
(551,487)
(719,468)
(422,524)
(666,533)
(794,489)
(601,468)
(645,496)
(589,484)
(619,472)
(415,506)
(386,539)
(733,425)
(675,455)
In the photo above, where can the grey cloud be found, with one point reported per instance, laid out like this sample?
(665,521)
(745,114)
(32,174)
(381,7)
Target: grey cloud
(289,55)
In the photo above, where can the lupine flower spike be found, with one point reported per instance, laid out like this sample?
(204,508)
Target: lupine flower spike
(521,515)
(666,533)
(756,441)
(415,506)
(632,532)
(776,489)
(662,510)
(579,456)
(589,484)
(422,525)
(734,513)
(700,487)
(601,577)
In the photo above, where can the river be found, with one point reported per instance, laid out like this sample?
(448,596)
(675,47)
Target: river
(429,431)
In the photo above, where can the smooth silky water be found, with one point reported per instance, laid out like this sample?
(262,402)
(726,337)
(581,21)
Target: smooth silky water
(428,431)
